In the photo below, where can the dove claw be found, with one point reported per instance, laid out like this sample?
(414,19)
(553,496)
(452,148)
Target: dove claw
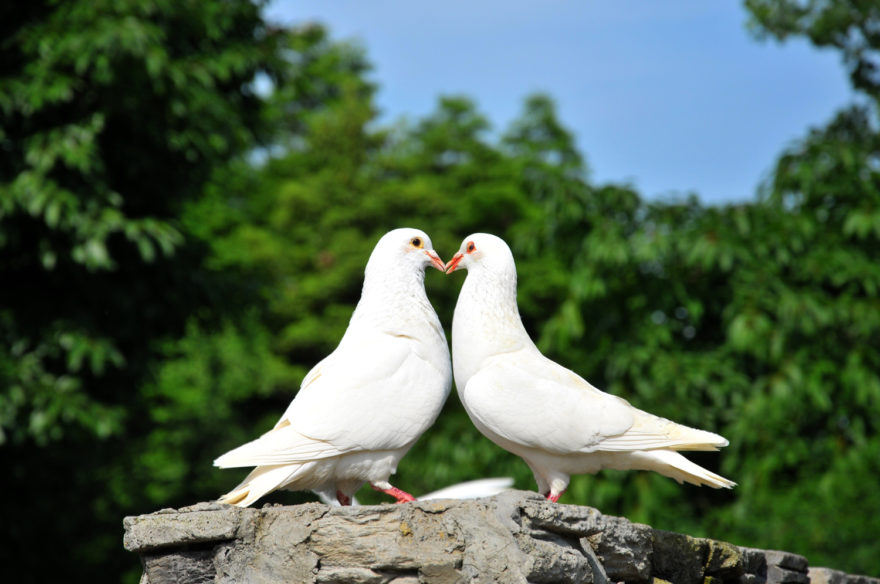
(554,497)
(401,496)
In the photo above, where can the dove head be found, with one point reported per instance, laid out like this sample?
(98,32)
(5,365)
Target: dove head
(483,251)
(406,249)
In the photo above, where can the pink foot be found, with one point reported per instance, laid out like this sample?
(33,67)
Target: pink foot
(553,498)
(343,499)
(400,496)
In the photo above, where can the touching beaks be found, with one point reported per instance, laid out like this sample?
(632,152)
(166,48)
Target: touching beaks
(435,259)
(452,264)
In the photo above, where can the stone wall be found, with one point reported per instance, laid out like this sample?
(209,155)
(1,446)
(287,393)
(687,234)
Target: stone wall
(512,537)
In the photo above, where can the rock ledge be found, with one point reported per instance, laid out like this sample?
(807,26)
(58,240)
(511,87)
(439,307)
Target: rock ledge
(512,537)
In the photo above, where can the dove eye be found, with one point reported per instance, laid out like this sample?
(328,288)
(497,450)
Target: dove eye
(416,242)
(471,248)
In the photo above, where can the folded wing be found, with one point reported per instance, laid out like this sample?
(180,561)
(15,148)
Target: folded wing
(344,405)
(529,400)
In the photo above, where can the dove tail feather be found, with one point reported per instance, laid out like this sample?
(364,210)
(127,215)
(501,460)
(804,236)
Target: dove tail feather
(650,433)
(676,466)
(244,455)
(261,481)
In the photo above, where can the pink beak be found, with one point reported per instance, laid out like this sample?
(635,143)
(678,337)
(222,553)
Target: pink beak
(452,264)
(435,259)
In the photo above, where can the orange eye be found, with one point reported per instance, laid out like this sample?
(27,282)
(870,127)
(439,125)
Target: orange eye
(416,242)
(471,248)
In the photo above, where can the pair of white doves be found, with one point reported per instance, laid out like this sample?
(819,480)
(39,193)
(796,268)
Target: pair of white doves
(362,408)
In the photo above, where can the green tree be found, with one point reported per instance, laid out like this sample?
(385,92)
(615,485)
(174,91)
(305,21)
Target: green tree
(112,116)
(820,319)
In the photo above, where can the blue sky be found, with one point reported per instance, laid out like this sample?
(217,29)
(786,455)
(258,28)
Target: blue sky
(672,97)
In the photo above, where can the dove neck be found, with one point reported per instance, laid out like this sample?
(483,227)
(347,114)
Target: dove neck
(486,321)
(392,299)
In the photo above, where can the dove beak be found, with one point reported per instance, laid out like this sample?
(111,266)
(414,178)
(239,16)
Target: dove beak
(452,264)
(435,259)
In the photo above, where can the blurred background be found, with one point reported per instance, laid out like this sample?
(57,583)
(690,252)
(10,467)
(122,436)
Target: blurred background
(189,192)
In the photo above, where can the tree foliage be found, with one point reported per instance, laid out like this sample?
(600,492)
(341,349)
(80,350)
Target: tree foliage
(178,248)
(113,115)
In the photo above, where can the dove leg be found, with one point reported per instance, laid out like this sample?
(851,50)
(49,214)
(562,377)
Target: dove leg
(543,485)
(551,483)
(343,499)
(401,496)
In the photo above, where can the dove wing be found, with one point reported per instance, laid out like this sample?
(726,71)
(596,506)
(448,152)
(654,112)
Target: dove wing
(378,392)
(529,400)
(650,432)
(533,401)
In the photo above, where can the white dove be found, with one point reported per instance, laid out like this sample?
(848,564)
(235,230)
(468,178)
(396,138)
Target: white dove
(359,410)
(537,409)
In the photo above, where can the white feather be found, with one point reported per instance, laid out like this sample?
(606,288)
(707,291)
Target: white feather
(466,490)
(471,489)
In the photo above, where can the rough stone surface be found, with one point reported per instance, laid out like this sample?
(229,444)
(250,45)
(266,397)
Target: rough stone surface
(514,537)
(828,576)
(204,522)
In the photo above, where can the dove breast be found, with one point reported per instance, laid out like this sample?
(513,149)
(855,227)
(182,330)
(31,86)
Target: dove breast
(373,403)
